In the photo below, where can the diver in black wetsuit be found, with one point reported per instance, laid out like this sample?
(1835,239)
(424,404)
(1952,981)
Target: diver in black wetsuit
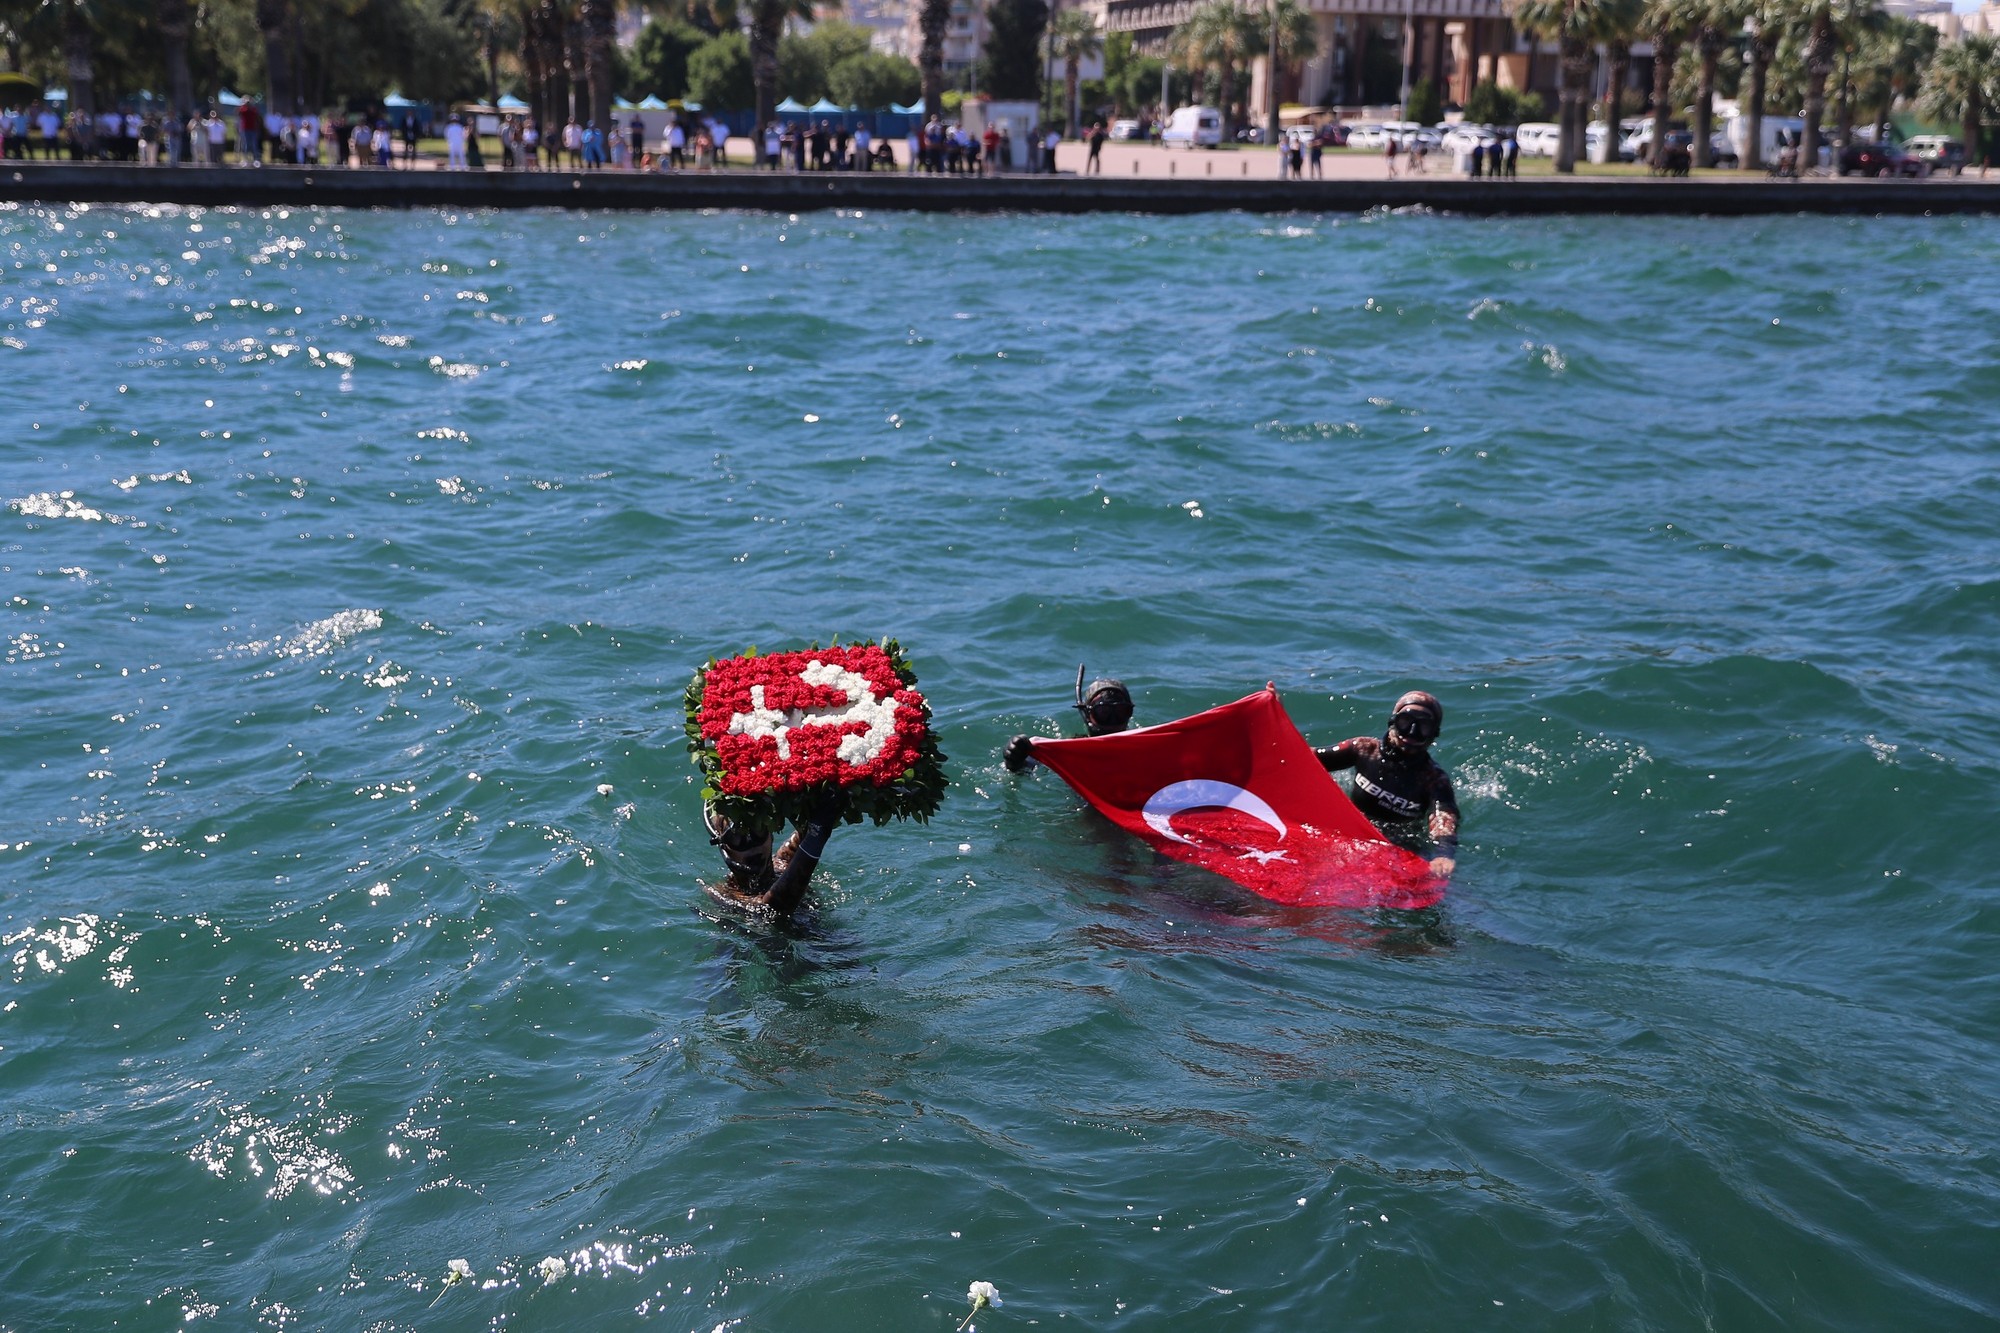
(1395,779)
(756,877)
(1106,707)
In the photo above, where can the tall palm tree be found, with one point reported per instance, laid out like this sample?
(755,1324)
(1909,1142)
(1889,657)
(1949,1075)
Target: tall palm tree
(1890,63)
(170,20)
(1763,27)
(1074,38)
(79,50)
(933,19)
(1571,25)
(1961,85)
(600,37)
(1216,37)
(1618,22)
(274,24)
(1667,21)
(1713,26)
(1815,19)
(1292,34)
(767,27)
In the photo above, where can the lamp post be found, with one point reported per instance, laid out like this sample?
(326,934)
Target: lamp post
(1271,79)
(1409,50)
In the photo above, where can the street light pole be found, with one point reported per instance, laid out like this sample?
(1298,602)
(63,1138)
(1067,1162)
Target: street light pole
(1271,79)
(1409,50)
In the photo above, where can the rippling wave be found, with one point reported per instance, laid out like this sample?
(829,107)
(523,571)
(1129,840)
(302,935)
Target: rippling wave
(350,918)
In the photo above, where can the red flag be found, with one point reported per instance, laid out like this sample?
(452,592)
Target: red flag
(1238,791)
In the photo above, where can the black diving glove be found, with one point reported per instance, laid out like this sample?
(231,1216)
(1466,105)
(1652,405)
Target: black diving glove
(1015,756)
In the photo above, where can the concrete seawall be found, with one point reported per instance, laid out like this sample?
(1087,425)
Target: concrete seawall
(782,192)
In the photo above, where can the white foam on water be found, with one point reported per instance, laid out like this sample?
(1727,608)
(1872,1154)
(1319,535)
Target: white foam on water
(319,636)
(262,1147)
(64,504)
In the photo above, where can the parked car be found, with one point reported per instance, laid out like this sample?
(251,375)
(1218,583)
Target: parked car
(1124,129)
(1463,138)
(1940,152)
(1537,138)
(1368,136)
(1880,159)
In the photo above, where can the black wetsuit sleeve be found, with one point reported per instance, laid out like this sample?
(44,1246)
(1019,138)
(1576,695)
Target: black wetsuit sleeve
(800,856)
(1347,754)
(1444,813)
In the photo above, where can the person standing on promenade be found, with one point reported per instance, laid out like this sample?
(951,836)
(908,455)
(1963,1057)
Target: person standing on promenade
(1513,154)
(638,130)
(572,143)
(531,145)
(246,134)
(864,148)
(454,144)
(1095,165)
(677,144)
(1395,779)
(50,124)
(197,139)
(774,146)
(1389,152)
(1318,152)
(409,141)
(989,150)
(913,144)
(1049,144)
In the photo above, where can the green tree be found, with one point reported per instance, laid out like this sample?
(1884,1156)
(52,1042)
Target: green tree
(1130,79)
(806,59)
(719,74)
(1763,26)
(873,80)
(1217,37)
(1074,38)
(1290,35)
(1013,48)
(659,62)
(1572,26)
(1889,63)
(933,18)
(1961,85)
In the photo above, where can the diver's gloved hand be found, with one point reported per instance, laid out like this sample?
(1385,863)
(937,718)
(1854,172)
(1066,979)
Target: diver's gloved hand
(1015,756)
(1443,866)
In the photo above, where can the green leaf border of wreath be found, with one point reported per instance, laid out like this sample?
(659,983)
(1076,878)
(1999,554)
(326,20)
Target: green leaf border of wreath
(915,795)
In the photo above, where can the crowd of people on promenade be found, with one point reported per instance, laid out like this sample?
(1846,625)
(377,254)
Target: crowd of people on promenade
(248,135)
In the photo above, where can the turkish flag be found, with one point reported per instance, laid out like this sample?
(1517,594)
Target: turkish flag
(1238,791)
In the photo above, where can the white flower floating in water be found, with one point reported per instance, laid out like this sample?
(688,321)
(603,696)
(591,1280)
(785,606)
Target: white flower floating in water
(455,1272)
(552,1269)
(981,1294)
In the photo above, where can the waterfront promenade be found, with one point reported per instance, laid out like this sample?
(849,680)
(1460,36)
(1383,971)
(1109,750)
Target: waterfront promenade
(1238,181)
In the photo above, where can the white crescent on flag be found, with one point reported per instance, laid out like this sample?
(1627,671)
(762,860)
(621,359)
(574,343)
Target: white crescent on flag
(1194,793)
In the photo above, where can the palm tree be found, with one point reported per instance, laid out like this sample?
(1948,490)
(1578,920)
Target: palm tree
(1618,22)
(932,19)
(1073,39)
(1714,25)
(1764,25)
(1961,85)
(1216,36)
(1292,34)
(767,26)
(1571,25)
(1891,61)
(600,37)
(79,63)
(1667,21)
(274,24)
(170,18)
(1815,18)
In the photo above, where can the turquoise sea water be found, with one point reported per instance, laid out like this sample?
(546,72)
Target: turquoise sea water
(347,555)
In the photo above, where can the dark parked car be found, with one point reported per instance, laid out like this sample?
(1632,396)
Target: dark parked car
(1880,159)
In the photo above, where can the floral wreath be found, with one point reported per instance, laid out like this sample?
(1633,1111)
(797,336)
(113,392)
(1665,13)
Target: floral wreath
(774,733)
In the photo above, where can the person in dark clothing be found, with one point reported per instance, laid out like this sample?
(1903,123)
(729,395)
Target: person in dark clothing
(1106,707)
(1396,781)
(758,879)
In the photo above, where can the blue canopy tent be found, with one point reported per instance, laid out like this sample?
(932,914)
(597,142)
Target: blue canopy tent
(915,108)
(651,102)
(510,105)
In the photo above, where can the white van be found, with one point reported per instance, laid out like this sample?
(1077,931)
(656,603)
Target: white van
(1193,127)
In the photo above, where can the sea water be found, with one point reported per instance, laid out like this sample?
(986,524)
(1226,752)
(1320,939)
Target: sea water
(350,855)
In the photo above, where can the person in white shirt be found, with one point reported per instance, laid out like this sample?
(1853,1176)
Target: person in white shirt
(454,144)
(572,142)
(1049,147)
(531,139)
(308,134)
(676,145)
(774,145)
(217,134)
